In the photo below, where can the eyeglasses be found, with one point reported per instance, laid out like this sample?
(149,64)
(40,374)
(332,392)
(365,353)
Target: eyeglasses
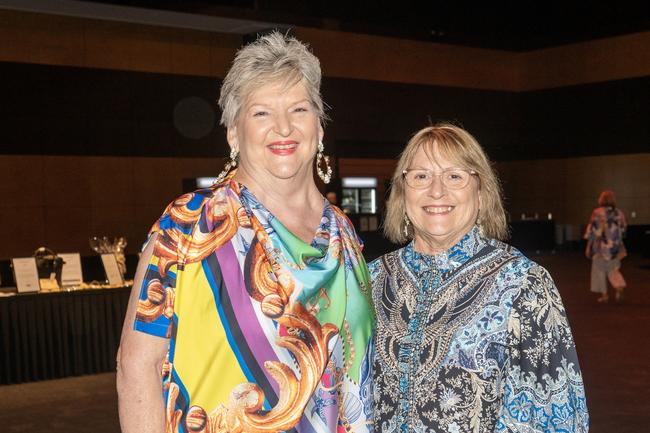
(452,178)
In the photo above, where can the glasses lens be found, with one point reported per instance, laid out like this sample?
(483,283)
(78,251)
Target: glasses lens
(418,178)
(455,179)
(451,179)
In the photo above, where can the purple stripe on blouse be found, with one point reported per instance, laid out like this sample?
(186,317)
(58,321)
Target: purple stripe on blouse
(243,309)
(331,414)
(305,426)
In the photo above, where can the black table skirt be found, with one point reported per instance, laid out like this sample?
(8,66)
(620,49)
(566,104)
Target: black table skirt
(53,335)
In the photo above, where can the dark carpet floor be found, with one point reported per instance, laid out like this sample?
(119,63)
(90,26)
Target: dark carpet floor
(613,344)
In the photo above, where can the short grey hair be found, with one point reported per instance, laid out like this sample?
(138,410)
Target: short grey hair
(272,58)
(457,145)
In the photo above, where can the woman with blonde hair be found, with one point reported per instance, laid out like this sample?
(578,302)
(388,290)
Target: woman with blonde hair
(471,335)
(250,310)
(605,246)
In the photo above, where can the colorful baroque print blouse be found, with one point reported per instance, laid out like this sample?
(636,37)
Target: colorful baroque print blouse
(474,339)
(605,231)
(266,332)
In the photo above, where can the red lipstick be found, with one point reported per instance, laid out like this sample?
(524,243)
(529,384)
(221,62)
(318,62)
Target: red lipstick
(283,147)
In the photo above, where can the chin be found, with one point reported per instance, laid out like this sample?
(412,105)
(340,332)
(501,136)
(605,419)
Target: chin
(287,172)
(449,234)
(440,231)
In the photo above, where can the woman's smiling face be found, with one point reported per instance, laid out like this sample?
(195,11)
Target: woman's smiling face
(277,133)
(440,216)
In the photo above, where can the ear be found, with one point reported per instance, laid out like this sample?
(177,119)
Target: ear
(232,138)
(321,133)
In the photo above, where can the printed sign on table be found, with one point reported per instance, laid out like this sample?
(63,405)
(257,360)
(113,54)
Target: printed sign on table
(112,270)
(25,274)
(71,274)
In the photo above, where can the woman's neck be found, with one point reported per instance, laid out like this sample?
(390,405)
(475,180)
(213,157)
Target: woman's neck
(423,247)
(298,204)
(291,192)
(432,246)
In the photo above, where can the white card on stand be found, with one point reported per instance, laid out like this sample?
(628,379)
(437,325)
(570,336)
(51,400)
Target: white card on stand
(71,274)
(112,270)
(25,274)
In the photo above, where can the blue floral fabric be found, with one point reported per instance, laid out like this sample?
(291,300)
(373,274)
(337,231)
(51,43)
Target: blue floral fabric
(605,232)
(474,339)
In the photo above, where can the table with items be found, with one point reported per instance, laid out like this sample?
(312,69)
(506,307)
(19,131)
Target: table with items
(62,333)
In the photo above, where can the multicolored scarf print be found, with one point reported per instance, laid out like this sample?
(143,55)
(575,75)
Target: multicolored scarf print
(491,349)
(605,232)
(267,333)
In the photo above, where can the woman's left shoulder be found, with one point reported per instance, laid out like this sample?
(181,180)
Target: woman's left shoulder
(531,273)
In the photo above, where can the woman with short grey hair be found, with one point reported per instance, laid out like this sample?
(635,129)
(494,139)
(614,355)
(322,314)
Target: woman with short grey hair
(250,307)
(273,58)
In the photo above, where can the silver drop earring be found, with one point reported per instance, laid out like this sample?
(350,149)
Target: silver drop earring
(326,175)
(232,163)
(406,226)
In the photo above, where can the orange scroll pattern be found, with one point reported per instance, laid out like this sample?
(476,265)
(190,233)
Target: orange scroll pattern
(243,412)
(173,247)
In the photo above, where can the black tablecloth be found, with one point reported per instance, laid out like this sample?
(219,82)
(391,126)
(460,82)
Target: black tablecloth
(53,335)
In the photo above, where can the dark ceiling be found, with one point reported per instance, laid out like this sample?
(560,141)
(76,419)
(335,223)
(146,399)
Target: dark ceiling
(508,25)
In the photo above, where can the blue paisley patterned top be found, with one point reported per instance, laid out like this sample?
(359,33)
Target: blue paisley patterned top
(605,232)
(474,339)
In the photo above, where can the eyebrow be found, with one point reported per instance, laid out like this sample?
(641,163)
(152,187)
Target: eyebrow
(305,101)
(253,103)
(455,167)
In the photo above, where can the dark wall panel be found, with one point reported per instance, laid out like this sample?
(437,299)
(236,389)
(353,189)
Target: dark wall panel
(376,119)
(78,111)
(53,110)
(592,119)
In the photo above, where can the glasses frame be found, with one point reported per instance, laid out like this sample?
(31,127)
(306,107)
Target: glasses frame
(466,170)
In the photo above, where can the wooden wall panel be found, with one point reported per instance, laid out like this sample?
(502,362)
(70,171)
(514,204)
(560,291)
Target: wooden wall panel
(518,105)
(60,201)
(58,40)
(38,38)
(367,57)
(615,58)
(47,39)
(569,188)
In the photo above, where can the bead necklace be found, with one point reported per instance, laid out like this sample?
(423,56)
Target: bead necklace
(428,280)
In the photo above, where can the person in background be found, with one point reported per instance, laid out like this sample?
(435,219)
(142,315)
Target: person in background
(471,335)
(605,248)
(251,309)
(331,197)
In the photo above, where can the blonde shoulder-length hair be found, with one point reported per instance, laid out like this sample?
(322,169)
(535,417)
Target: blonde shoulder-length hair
(457,145)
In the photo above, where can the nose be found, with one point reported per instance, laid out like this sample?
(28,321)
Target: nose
(437,189)
(283,124)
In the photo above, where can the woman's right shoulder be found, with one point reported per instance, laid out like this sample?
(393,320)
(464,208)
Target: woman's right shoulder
(186,209)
